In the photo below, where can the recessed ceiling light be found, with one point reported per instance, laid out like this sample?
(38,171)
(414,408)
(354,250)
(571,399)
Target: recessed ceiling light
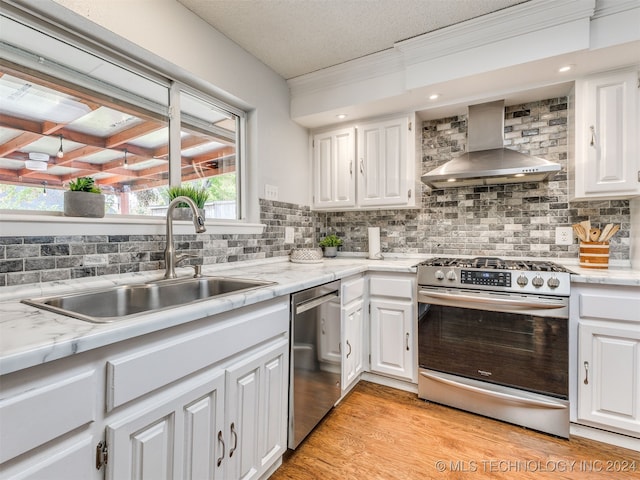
(434,96)
(565,68)
(342,116)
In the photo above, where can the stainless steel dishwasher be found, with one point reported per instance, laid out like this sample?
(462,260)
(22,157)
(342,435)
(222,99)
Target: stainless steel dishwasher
(315,367)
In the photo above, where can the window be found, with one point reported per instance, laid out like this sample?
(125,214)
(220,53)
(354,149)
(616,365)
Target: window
(208,144)
(68,112)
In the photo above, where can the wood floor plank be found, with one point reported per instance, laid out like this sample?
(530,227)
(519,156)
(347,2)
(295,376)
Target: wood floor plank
(380,433)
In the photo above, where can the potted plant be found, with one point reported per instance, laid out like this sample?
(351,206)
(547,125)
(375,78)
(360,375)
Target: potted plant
(83,199)
(182,210)
(330,244)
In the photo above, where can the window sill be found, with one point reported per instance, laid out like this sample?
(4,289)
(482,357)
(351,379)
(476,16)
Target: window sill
(27,224)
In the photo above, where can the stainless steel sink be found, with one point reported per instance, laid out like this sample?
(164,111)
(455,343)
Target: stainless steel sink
(122,302)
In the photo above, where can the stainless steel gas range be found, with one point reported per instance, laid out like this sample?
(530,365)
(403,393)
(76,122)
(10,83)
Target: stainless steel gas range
(493,339)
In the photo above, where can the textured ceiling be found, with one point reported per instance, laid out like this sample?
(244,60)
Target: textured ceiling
(295,37)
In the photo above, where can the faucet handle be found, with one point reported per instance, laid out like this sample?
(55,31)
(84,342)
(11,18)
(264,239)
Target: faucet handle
(197,271)
(184,256)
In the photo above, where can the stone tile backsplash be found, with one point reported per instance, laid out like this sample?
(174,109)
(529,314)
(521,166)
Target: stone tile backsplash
(516,220)
(26,260)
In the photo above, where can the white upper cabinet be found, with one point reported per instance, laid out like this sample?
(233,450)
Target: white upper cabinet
(333,168)
(372,166)
(606,164)
(382,163)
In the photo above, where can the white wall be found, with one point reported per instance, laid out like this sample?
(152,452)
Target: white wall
(278,151)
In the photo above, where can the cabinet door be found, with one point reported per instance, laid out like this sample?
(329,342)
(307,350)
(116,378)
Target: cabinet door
(204,441)
(382,163)
(353,327)
(609,375)
(173,436)
(392,337)
(333,169)
(607,137)
(256,411)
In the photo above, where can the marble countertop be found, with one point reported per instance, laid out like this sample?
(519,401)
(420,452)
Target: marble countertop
(30,336)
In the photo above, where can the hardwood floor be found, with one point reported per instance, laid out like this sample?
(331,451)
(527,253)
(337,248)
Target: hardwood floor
(381,433)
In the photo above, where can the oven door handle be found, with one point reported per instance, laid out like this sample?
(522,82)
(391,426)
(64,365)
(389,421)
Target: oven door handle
(509,302)
(504,396)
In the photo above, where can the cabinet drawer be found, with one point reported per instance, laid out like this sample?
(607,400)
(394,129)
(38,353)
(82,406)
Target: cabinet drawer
(603,306)
(352,289)
(387,286)
(41,414)
(136,374)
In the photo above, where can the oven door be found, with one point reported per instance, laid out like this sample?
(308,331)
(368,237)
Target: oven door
(518,341)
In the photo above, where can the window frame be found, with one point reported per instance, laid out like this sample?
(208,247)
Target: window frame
(30,223)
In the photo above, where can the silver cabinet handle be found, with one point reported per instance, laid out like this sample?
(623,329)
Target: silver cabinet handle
(407,341)
(235,439)
(322,325)
(361,166)
(586,373)
(351,167)
(348,345)
(593,136)
(221,440)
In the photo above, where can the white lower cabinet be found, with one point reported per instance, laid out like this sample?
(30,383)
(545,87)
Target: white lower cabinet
(175,436)
(608,366)
(203,400)
(256,412)
(353,361)
(353,330)
(609,375)
(228,423)
(393,325)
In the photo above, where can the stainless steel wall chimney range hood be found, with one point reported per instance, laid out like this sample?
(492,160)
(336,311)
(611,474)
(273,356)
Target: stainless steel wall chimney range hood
(487,161)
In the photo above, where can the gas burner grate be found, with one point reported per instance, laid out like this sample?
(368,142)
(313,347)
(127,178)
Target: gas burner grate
(494,263)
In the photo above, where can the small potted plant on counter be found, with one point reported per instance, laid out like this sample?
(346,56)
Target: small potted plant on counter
(83,199)
(330,244)
(182,210)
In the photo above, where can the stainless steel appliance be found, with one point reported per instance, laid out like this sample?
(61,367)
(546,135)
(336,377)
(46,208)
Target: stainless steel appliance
(493,339)
(486,161)
(315,381)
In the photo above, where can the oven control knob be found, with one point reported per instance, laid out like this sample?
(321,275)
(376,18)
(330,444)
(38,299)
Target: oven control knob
(537,281)
(439,275)
(451,275)
(522,280)
(553,282)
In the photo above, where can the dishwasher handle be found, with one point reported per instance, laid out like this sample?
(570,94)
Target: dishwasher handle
(315,301)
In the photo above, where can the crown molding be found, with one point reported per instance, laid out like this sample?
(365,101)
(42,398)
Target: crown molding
(386,62)
(511,23)
(611,7)
(533,16)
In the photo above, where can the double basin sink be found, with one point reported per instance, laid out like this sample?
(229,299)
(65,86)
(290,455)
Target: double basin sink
(125,301)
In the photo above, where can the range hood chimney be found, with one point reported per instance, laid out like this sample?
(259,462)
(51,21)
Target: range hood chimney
(487,161)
